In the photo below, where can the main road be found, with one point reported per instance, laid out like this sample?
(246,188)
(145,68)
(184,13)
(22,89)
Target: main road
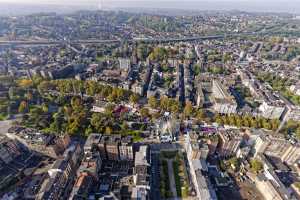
(145,40)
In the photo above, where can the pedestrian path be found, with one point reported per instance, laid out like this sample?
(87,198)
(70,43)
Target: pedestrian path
(171,177)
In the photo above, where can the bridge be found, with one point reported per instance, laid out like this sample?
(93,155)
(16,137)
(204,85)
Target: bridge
(145,40)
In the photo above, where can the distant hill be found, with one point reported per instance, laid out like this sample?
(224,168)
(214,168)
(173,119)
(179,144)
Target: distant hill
(25,9)
(173,6)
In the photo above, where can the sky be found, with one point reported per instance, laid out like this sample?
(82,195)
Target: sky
(292,6)
(52,1)
(156,1)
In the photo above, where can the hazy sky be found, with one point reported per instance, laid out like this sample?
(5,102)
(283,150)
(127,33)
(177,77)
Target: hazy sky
(292,6)
(51,1)
(107,1)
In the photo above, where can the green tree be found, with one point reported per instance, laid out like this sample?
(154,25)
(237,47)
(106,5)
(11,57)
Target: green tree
(45,108)
(73,126)
(111,98)
(197,69)
(88,131)
(124,126)
(256,165)
(96,122)
(76,103)
(142,51)
(158,54)
(57,126)
(109,109)
(227,58)
(234,161)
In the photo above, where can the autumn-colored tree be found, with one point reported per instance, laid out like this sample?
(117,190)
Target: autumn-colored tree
(108,130)
(144,112)
(164,103)
(23,107)
(188,109)
(152,101)
(25,83)
(134,98)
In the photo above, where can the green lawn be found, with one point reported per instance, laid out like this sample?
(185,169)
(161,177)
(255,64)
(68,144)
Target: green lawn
(168,154)
(3,116)
(165,191)
(180,175)
(177,177)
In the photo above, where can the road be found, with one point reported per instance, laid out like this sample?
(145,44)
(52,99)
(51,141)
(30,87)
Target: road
(57,42)
(155,174)
(145,40)
(5,125)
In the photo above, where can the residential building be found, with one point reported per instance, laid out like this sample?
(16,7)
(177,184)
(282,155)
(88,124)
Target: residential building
(229,143)
(124,63)
(295,89)
(82,187)
(112,147)
(260,145)
(269,183)
(126,148)
(9,149)
(203,187)
(223,102)
(141,174)
(58,184)
(267,188)
(200,100)
(195,149)
(271,110)
(293,113)
(292,154)
(91,143)
(283,149)
(102,147)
